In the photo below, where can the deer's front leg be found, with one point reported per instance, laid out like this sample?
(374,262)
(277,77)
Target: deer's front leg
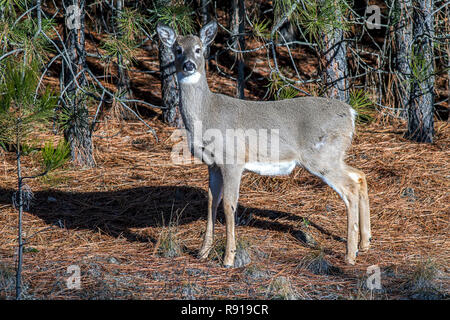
(214,197)
(231,183)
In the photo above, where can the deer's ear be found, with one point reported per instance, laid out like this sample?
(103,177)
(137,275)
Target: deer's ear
(208,33)
(166,34)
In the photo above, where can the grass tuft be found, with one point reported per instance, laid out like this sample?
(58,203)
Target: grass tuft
(422,282)
(317,264)
(281,289)
(169,244)
(242,257)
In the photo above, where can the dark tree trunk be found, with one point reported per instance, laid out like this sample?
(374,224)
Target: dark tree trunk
(169,87)
(204,14)
(288,33)
(123,83)
(403,40)
(238,29)
(447,12)
(420,112)
(77,133)
(204,11)
(169,83)
(334,62)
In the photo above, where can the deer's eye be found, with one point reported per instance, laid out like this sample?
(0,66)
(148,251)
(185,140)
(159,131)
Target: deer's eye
(179,50)
(197,50)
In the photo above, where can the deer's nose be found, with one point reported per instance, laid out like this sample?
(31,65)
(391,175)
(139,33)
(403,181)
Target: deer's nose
(188,66)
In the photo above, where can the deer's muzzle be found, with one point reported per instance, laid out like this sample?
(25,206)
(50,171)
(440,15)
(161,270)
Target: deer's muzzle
(189,66)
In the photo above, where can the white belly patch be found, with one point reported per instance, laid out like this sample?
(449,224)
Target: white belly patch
(271,169)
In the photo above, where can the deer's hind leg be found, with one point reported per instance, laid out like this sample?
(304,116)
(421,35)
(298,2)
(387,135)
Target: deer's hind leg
(343,180)
(364,209)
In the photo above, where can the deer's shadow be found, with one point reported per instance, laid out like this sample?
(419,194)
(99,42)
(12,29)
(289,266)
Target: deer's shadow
(116,212)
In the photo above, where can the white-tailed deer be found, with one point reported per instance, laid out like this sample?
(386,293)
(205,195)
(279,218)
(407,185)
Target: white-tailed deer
(311,132)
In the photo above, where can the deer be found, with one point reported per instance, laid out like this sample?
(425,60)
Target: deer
(311,132)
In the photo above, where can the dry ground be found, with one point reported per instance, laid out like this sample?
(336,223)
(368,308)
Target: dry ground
(113,220)
(109,221)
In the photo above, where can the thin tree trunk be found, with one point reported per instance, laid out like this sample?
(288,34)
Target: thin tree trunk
(335,62)
(448,63)
(238,29)
(123,83)
(403,39)
(78,132)
(205,19)
(19,227)
(39,13)
(420,112)
(204,11)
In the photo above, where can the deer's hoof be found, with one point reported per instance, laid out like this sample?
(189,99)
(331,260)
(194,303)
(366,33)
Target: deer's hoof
(350,260)
(202,256)
(227,266)
(364,247)
(204,252)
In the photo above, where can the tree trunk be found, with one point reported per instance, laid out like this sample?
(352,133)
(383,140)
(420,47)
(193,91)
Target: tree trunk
(123,83)
(77,133)
(204,6)
(335,62)
(420,112)
(169,87)
(204,11)
(403,39)
(238,28)
(169,83)
(288,33)
(447,14)
(20,205)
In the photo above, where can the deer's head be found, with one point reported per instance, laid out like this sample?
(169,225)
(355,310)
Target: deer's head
(188,50)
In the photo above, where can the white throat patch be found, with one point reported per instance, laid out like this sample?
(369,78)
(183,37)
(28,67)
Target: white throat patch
(191,79)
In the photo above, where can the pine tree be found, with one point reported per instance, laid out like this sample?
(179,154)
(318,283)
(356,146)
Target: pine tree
(403,40)
(421,108)
(178,15)
(76,129)
(324,21)
(237,27)
(123,83)
(204,11)
(21,113)
(334,50)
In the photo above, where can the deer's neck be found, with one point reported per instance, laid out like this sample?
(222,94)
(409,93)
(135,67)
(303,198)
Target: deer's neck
(195,98)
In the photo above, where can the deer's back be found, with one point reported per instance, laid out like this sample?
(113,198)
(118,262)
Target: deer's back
(303,121)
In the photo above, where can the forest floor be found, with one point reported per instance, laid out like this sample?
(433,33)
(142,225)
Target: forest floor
(134,223)
(115,222)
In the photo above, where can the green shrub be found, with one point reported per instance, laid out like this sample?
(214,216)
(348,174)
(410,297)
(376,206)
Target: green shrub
(54,157)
